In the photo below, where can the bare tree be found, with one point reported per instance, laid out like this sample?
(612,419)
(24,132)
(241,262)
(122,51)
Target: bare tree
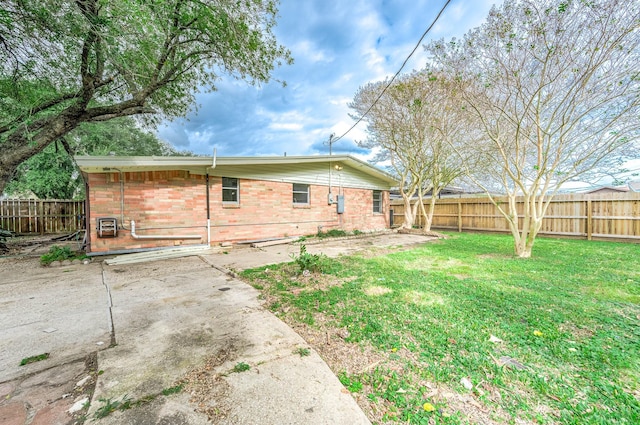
(554,87)
(413,125)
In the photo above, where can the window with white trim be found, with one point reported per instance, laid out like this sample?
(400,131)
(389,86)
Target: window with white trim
(377,201)
(230,190)
(300,194)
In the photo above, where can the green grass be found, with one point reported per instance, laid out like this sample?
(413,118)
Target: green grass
(240,367)
(57,253)
(570,315)
(33,359)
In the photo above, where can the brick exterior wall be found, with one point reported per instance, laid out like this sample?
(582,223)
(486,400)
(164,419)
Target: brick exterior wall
(175,203)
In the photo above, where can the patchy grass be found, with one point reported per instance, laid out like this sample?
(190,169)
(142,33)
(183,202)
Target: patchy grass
(302,352)
(240,367)
(109,406)
(33,359)
(173,390)
(461,331)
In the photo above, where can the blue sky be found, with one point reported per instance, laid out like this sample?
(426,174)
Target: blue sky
(337,46)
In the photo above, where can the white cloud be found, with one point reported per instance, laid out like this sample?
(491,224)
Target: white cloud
(338,46)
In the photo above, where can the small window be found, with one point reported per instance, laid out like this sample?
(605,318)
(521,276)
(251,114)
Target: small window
(377,201)
(230,190)
(300,193)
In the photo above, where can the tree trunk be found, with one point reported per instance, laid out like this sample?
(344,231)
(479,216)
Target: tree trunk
(428,216)
(6,174)
(408,213)
(29,141)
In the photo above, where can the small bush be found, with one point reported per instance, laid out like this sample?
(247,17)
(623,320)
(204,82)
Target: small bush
(57,253)
(310,262)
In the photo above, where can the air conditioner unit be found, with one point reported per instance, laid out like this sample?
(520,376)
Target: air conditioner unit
(107,227)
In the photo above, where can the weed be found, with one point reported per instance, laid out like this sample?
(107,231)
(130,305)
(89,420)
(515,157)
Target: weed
(351,383)
(57,253)
(110,406)
(33,359)
(173,390)
(302,352)
(240,367)
(333,233)
(357,232)
(310,262)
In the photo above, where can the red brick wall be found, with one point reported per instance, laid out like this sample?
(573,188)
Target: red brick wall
(173,202)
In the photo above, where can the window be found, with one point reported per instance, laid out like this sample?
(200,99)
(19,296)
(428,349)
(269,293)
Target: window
(377,201)
(230,190)
(300,193)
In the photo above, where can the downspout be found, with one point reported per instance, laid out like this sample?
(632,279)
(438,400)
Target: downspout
(213,165)
(146,237)
(208,215)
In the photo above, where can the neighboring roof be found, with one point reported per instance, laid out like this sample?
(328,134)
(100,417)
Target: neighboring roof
(448,190)
(608,189)
(204,164)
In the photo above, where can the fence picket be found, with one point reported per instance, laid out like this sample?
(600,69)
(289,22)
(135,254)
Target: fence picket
(44,216)
(589,216)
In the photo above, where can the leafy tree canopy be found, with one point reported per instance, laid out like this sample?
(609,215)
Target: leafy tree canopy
(52,174)
(64,63)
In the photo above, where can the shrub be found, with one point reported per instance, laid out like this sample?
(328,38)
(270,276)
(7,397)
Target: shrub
(333,233)
(310,262)
(57,253)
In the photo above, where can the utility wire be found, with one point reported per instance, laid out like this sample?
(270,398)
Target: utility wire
(333,140)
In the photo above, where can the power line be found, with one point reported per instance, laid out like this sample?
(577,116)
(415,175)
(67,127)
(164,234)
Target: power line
(333,140)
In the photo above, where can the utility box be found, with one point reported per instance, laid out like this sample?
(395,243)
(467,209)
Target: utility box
(340,204)
(107,227)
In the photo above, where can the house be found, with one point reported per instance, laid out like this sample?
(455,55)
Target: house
(142,203)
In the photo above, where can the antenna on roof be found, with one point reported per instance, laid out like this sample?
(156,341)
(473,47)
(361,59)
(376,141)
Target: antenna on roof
(332,140)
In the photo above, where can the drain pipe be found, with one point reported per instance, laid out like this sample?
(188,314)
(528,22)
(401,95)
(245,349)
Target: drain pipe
(213,165)
(208,215)
(134,236)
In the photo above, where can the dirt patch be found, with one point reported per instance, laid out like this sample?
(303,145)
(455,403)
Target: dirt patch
(578,333)
(374,291)
(422,233)
(208,390)
(35,246)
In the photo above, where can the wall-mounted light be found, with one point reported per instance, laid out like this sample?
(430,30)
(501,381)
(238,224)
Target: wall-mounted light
(338,167)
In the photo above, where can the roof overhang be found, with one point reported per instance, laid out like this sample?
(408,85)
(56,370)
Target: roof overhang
(204,164)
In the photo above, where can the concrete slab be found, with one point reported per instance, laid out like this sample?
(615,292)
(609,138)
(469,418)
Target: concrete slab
(169,319)
(241,257)
(65,316)
(179,320)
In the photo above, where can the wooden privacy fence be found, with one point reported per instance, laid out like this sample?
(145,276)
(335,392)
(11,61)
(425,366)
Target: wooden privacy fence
(593,216)
(37,216)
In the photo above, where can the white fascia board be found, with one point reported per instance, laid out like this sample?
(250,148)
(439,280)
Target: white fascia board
(201,164)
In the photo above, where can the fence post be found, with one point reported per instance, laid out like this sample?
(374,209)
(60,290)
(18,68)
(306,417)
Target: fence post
(459,216)
(589,220)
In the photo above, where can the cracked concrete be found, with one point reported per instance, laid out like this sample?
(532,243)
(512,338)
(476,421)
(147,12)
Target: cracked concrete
(158,323)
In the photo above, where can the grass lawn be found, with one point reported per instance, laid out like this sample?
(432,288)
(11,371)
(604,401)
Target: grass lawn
(461,331)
